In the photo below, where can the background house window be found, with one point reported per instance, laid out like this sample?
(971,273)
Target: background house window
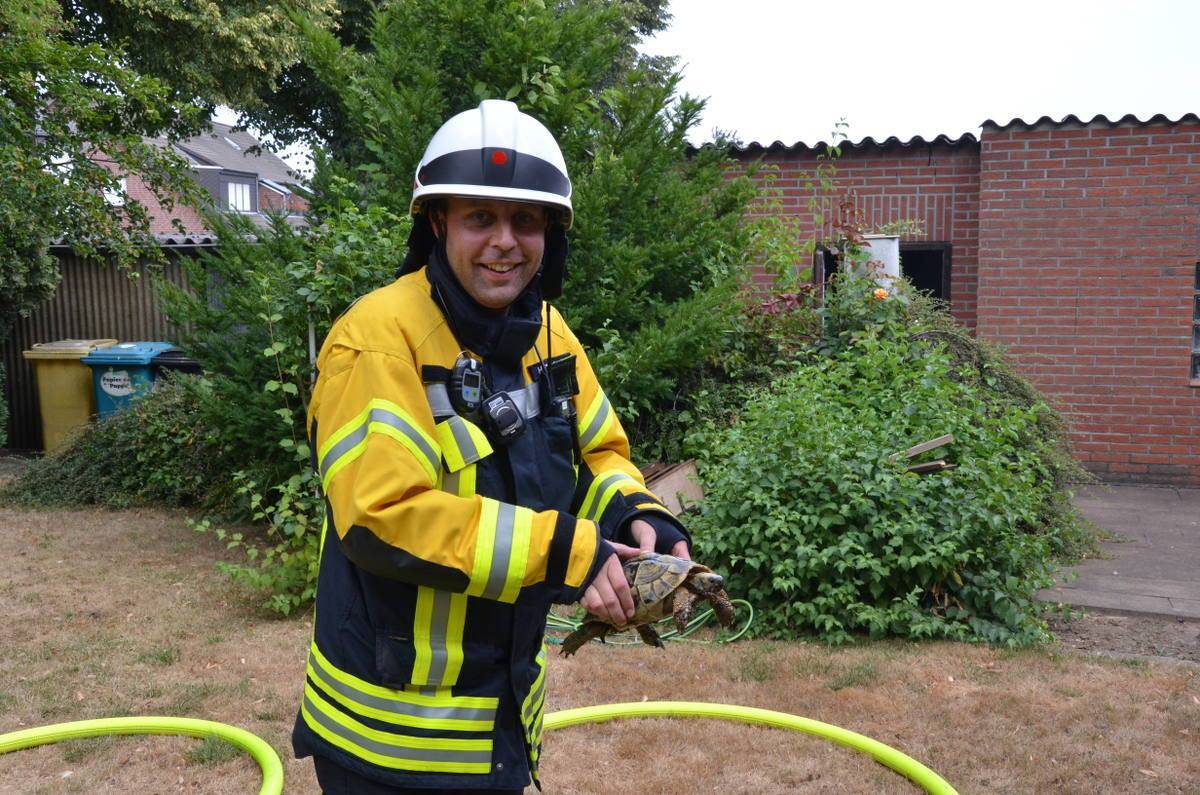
(239,197)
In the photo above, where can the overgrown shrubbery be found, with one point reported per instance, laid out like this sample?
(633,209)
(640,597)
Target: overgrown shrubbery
(161,451)
(816,521)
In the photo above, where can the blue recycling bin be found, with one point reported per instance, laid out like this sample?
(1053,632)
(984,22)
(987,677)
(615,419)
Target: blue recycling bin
(123,373)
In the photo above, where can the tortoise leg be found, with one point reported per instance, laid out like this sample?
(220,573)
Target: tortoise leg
(575,641)
(722,607)
(685,604)
(649,636)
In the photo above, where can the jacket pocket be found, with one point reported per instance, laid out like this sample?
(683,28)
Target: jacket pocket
(394,656)
(558,465)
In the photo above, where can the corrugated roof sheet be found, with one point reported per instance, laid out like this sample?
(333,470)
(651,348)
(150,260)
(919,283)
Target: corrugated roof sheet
(966,138)
(1073,120)
(190,240)
(865,143)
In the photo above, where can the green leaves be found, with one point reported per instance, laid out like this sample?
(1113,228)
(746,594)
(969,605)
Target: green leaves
(811,519)
(75,124)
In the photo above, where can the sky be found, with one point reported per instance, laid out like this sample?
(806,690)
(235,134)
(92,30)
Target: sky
(789,71)
(778,70)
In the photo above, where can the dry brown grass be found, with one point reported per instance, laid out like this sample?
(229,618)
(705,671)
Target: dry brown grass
(115,613)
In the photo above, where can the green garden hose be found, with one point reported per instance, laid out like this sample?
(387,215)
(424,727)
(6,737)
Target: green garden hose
(562,624)
(264,754)
(905,765)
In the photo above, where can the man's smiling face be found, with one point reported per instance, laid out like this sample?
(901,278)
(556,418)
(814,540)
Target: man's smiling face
(494,247)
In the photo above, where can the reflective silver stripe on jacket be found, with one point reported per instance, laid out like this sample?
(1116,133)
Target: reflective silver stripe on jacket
(454,756)
(528,400)
(329,682)
(380,415)
(506,516)
(590,434)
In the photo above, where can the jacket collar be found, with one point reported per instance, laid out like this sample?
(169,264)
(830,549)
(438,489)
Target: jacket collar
(490,335)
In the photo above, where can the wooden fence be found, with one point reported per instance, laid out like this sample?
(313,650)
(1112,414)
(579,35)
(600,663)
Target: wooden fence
(95,300)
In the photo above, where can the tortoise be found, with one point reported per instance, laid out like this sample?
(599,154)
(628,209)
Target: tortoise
(661,585)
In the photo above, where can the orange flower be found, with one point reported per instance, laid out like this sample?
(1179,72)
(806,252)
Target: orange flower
(881,293)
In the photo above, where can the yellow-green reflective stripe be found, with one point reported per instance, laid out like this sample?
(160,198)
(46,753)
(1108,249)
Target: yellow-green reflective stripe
(506,516)
(365,687)
(421,628)
(514,574)
(455,624)
(485,541)
(384,417)
(532,709)
(601,492)
(437,637)
(501,551)
(444,718)
(537,694)
(594,421)
(462,443)
(397,751)
(460,483)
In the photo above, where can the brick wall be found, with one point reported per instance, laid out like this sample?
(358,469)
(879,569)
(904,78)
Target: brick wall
(936,183)
(1088,239)
(271,201)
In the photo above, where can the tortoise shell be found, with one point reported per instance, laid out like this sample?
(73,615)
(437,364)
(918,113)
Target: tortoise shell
(653,581)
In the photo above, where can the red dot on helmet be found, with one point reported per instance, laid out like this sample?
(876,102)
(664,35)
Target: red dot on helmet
(423,176)
(499,158)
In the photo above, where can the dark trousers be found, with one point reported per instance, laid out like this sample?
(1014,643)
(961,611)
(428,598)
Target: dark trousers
(337,780)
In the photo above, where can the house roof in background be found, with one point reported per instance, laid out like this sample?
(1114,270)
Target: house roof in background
(754,147)
(1071,120)
(234,150)
(966,139)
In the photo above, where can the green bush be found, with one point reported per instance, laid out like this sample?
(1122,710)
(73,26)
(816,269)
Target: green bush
(254,306)
(159,451)
(752,341)
(815,519)
(817,525)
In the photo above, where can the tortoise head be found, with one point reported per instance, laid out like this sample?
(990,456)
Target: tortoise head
(707,582)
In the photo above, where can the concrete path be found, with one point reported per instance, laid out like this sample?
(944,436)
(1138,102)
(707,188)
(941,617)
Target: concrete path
(1156,571)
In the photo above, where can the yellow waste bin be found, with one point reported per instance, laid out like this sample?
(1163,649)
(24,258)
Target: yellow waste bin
(64,386)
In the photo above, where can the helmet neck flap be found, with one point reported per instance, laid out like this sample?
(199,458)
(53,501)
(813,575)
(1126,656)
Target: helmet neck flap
(491,334)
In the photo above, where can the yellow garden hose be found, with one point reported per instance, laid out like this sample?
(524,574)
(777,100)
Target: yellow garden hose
(904,765)
(264,754)
(272,769)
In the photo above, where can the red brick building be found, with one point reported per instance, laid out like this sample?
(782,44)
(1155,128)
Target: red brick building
(1075,245)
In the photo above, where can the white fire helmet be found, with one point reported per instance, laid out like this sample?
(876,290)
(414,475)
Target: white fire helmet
(498,152)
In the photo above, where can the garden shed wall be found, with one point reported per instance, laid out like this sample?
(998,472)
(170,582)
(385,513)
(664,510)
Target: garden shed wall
(1089,240)
(1076,246)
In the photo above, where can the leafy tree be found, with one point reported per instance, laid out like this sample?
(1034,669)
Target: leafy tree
(232,52)
(304,106)
(74,119)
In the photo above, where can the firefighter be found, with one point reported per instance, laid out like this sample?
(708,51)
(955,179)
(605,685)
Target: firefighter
(474,473)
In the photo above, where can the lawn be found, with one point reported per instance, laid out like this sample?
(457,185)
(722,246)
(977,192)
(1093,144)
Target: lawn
(122,613)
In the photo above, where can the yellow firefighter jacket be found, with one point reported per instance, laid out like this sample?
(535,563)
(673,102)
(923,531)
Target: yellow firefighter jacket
(443,552)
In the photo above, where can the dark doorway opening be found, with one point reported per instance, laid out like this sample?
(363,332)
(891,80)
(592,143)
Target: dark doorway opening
(927,267)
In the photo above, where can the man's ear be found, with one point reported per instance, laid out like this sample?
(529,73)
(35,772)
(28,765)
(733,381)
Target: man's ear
(437,220)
